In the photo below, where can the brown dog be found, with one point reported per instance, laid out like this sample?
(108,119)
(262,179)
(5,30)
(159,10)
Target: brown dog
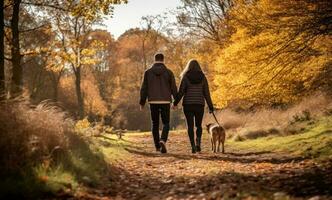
(217,134)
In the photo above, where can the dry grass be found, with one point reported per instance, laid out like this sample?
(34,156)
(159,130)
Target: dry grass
(266,122)
(30,134)
(41,155)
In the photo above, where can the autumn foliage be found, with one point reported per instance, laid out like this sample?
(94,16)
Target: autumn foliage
(67,86)
(274,57)
(255,54)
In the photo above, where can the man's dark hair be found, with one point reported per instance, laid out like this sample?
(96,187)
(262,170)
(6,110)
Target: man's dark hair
(159,57)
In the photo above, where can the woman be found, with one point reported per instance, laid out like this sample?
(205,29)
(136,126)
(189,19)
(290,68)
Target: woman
(195,89)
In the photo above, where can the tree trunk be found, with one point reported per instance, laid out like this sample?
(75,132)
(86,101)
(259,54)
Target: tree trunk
(17,82)
(80,101)
(2,56)
(55,78)
(55,91)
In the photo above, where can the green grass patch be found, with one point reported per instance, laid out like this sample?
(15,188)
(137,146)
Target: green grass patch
(56,179)
(314,142)
(17,186)
(112,148)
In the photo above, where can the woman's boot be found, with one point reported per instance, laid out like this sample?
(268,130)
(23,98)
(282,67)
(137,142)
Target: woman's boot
(198,144)
(193,150)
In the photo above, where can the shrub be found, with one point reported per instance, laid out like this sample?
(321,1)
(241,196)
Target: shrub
(267,121)
(82,126)
(28,135)
(238,138)
(303,116)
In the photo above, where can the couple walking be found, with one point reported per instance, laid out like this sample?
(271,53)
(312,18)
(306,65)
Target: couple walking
(159,87)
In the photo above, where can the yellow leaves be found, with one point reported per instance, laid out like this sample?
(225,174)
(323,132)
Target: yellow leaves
(82,125)
(260,65)
(93,9)
(89,61)
(88,52)
(55,68)
(240,34)
(97,44)
(55,60)
(88,56)
(73,53)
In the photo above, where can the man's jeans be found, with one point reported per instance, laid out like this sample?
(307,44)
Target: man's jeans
(162,110)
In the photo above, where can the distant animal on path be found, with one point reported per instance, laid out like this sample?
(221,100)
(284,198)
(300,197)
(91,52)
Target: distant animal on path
(217,135)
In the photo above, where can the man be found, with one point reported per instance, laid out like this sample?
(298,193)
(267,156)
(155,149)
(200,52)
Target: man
(158,87)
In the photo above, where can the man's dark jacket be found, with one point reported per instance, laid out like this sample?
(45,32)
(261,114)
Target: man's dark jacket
(158,84)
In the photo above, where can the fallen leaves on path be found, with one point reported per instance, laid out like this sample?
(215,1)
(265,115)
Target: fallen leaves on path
(147,174)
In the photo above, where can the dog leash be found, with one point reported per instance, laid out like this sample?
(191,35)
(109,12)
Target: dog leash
(215,118)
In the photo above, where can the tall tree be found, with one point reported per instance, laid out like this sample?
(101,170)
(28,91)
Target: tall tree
(2,53)
(73,33)
(80,15)
(205,19)
(150,33)
(74,30)
(289,45)
(16,87)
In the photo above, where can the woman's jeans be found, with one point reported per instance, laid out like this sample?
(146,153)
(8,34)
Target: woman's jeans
(194,113)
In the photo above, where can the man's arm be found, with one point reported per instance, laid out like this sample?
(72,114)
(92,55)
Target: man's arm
(174,89)
(144,90)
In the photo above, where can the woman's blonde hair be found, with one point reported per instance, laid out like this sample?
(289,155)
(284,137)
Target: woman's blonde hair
(192,65)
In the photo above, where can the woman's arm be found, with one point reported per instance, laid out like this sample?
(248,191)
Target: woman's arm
(181,92)
(174,89)
(207,96)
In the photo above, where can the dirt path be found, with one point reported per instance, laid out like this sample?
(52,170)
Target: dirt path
(235,175)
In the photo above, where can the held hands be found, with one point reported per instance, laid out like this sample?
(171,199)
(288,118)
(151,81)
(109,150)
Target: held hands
(174,107)
(141,107)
